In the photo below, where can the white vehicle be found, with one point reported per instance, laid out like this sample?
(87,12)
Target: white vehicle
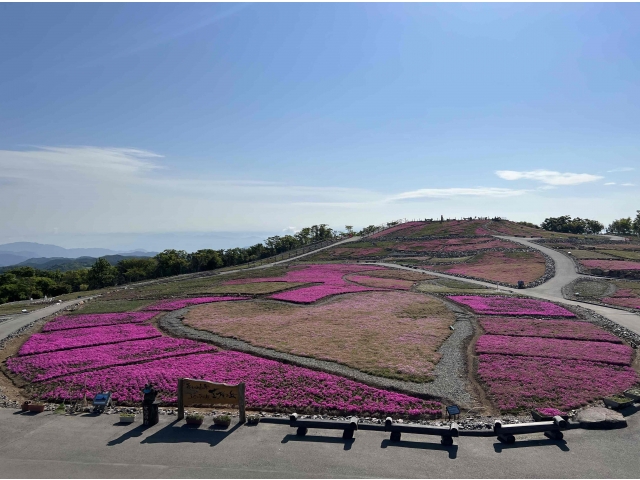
(24,310)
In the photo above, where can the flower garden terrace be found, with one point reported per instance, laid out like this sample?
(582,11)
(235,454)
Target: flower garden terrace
(365,318)
(465,248)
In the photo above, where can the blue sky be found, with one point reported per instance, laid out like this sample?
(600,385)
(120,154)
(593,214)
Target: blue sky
(149,125)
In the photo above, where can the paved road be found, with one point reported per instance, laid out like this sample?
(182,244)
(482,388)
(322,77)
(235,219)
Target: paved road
(51,446)
(565,269)
(22,319)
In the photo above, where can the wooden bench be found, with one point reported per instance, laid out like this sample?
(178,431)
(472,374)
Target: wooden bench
(304,424)
(551,429)
(397,429)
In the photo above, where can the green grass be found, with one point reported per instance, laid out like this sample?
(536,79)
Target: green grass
(623,254)
(13,309)
(111,306)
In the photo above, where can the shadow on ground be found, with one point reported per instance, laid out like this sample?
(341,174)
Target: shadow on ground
(178,434)
(561,444)
(318,439)
(452,449)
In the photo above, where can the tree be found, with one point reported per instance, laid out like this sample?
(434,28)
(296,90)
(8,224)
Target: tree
(102,274)
(593,227)
(172,262)
(636,224)
(205,259)
(621,226)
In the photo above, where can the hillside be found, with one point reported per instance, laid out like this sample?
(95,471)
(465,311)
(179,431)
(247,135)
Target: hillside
(67,264)
(16,252)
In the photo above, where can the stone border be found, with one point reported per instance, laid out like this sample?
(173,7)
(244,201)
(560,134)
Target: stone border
(450,380)
(566,293)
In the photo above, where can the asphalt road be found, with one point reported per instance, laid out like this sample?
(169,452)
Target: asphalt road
(51,446)
(22,319)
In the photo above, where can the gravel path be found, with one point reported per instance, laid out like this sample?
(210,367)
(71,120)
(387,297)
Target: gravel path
(450,382)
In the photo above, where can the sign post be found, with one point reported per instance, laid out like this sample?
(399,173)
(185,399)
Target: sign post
(200,392)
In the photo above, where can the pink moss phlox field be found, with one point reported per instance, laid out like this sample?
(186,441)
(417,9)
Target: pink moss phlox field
(501,267)
(392,283)
(605,352)
(355,252)
(510,306)
(45,366)
(317,292)
(517,383)
(270,385)
(623,297)
(169,305)
(629,302)
(455,245)
(65,322)
(330,274)
(611,264)
(86,337)
(560,329)
(550,412)
(402,226)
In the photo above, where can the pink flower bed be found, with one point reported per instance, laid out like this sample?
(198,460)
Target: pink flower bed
(624,297)
(396,228)
(611,264)
(455,245)
(629,302)
(392,283)
(330,274)
(501,267)
(169,305)
(613,353)
(270,385)
(517,383)
(510,306)
(331,277)
(86,337)
(66,322)
(560,329)
(550,412)
(45,366)
(317,292)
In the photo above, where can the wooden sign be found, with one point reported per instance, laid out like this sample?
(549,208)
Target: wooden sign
(201,392)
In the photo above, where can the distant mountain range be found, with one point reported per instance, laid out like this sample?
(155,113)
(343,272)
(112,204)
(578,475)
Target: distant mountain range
(42,256)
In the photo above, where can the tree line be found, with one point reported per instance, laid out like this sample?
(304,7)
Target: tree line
(23,283)
(566,224)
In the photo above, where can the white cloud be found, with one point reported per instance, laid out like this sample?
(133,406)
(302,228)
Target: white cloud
(621,169)
(628,184)
(458,192)
(549,177)
(610,183)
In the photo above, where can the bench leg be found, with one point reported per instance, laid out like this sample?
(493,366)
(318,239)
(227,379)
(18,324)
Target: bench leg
(302,431)
(507,438)
(395,436)
(554,435)
(446,440)
(347,434)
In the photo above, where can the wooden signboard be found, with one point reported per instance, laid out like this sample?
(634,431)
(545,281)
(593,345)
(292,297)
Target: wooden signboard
(200,392)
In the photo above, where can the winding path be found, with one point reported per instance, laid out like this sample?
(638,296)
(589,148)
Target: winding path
(552,289)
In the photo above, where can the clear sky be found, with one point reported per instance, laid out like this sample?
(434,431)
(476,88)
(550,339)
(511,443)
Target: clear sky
(194,125)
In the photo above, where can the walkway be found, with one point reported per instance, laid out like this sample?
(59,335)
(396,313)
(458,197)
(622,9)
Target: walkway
(552,289)
(52,446)
(20,320)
